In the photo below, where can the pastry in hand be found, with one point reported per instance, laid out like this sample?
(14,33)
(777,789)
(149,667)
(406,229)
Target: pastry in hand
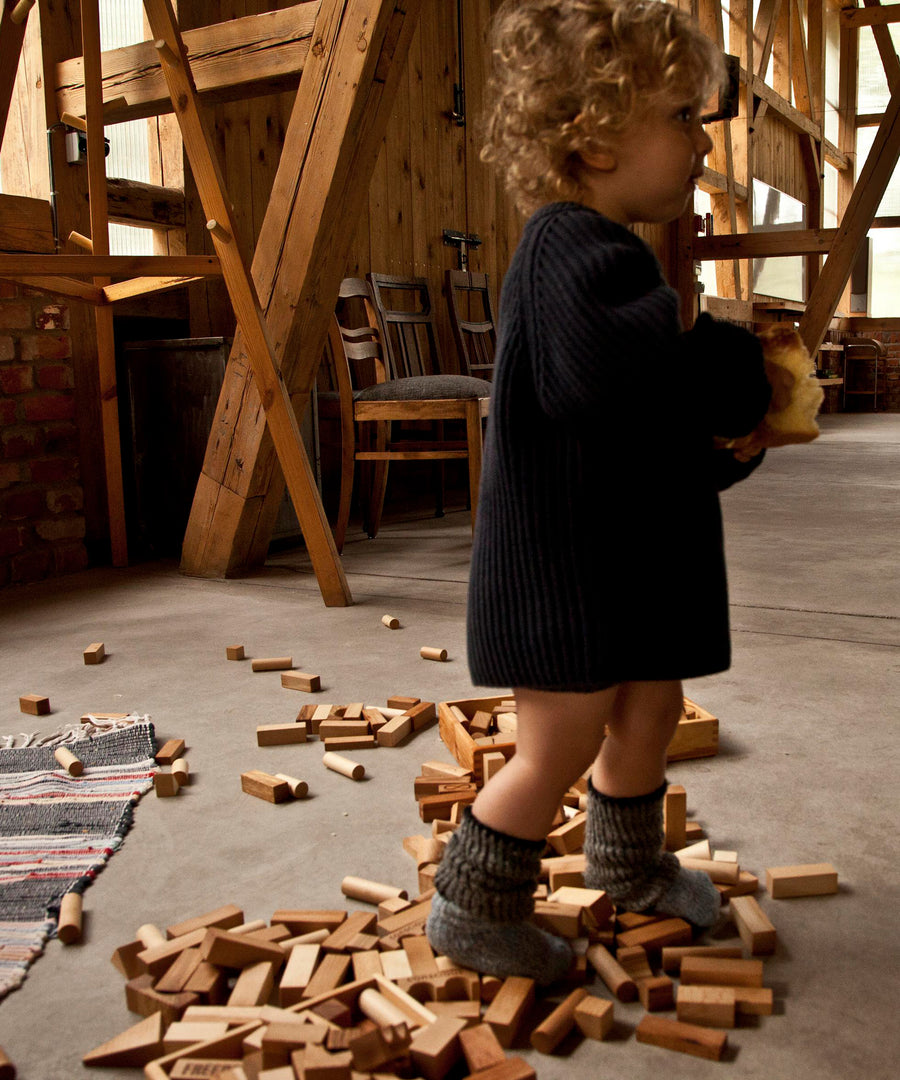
(796,394)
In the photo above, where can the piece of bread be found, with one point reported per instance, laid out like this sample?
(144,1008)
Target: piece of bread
(796,394)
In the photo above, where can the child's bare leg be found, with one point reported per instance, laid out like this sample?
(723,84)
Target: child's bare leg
(486,880)
(624,835)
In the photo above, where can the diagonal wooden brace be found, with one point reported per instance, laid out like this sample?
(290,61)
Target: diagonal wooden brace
(279,413)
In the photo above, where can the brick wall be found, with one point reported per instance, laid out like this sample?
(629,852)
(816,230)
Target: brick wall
(889,378)
(42,524)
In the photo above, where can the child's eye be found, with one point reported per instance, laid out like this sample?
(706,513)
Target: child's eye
(686,115)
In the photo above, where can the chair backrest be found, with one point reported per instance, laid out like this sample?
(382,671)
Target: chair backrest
(355,339)
(472,320)
(406,319)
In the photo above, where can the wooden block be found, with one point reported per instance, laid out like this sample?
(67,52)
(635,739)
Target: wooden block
(223,918)
(210,982)
(34,704)
(746,885)
(254,984)
(125,959)
(301,680)
(481,1048)
(390,621)
(170,751)
(726,873)
(72,764)
(131,1048)
(756,931)
(675,816)
(395,965)
(182,1033)
(357,922)
(656,993)
(440,806)
(402,701)
(617,979)
(234,652)
(298,788)
(568,838)
(370,892)
(596,907)
(421,715)
(394,731)
(435,1048)
(672,955)
(551,1031)
(266,787)
(482,723)
(374,1046)
(226,949)
(94,653)
(208,1069)
(141,998)
(178,974)
(350,742)
(330,973)
(492,764)
(444,984)
(561,919)
(337,728)
(508,1009)
(594,1017)
(811,879)
(721,971)
(156,959)
(343,765)
(272,663)
(280,734)
(656,935)
(298,971)
(698,850)
(428,652)
(417,1014)
(420,956)
(166,784)
(564,870)
(367,963)
(713,1006)
(513,1068)
(691,1039)
(754,1000)
(304,921)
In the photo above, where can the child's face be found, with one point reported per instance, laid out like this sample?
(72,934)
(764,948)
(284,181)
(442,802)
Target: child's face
(649,171)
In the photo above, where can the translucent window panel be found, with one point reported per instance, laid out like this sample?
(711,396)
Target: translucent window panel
(873,94)
(830,187)
(831,119)
(884,281)
(707,275)
(783,276)
(890,203)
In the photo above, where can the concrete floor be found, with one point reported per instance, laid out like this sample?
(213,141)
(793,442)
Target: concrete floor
(807,770)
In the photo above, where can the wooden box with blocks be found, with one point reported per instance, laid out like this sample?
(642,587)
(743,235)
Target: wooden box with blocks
(467,739)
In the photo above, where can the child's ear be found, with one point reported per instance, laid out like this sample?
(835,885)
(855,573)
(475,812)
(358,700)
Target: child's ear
(600,160)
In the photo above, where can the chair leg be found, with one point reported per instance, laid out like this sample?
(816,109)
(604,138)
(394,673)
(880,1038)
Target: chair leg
(378,486)
(439,474)
(348,461)
(474,445)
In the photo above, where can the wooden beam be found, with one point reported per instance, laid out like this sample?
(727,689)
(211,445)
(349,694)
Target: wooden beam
(62,286)
(134,203)
(886,49)
(867,195)
(12,34)
(872,16)
(142,286)
(330,148)
(761,245)
(280,417)
(257,54)
(25,224)
(110,265)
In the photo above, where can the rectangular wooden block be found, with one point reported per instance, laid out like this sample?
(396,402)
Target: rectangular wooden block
(170,751)
(421,714)
(395,731)
(280,734)
(224,918)
(264,786)
(714,1006)
(596,907)
(301,680)
(329,729)
(721,971)
(234,652)
(691,1039)
(594,1017)
(675,816)
(348,742)
(95,653)
(810,879)
(402,701)
(568,838)
(226,949)
(657,934)
(34,704)
(509,1008)
(756,931)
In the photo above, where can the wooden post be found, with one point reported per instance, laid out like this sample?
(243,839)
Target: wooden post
(280,416)
(335,133)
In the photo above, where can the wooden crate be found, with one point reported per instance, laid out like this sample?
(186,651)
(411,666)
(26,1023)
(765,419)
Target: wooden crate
(697,734)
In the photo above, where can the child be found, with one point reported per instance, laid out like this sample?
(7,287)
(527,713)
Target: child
(598,574)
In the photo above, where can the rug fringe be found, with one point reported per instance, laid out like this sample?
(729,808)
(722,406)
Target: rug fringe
(89,726)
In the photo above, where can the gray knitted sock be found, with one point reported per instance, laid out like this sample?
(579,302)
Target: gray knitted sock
(485,895)
(623,844)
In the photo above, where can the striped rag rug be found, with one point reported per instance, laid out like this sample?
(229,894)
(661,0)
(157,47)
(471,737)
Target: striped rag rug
(57,831)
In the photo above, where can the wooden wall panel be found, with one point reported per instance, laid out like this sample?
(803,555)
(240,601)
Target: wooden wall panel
(776,158)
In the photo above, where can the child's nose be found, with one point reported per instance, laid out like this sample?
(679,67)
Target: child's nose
(704,142)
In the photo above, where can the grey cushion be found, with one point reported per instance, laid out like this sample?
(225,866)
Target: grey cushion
(426,388)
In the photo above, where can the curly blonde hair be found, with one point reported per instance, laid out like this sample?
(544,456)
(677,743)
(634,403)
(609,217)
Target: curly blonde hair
(570,74)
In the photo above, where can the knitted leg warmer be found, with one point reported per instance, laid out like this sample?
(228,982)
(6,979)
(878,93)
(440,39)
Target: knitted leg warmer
(623,844)
(485,895)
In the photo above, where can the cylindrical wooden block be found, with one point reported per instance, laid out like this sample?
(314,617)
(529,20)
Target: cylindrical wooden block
(390,622)
(73,765)
(377,1007)
(612,973)
(181,771)
(314,937)
(149,935)
(249,927)
(725,873)
(370,892)
(68,929)
(299,788)
(7,1069)
(272,663)
(558,1024)
(428,653)
(343,765)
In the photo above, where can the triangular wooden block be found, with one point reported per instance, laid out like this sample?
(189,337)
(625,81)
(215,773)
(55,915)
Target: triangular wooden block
(132,1048)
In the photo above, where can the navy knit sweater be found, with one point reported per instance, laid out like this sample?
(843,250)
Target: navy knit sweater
(598,553)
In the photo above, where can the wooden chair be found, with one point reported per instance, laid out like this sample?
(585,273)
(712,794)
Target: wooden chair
(472,320)
(370,400)
(405,317)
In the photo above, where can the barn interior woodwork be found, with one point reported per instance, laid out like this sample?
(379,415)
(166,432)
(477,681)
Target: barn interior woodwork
(308,211)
